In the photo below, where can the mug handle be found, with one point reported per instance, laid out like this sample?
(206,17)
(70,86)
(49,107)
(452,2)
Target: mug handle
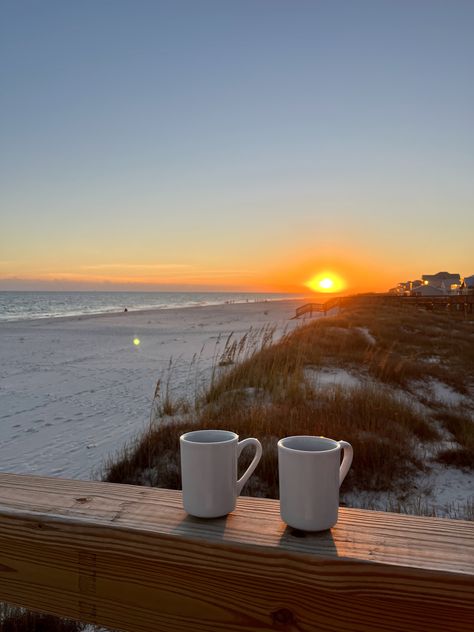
(346,461)
(258,454)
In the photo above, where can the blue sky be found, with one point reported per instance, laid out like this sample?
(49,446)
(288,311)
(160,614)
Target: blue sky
(234,144)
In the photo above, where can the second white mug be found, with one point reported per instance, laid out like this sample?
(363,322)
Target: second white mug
(311,473)
(209,471)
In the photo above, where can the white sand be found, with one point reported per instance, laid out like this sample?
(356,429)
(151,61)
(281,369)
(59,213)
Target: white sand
(448,491)
(333,377)
(74,390)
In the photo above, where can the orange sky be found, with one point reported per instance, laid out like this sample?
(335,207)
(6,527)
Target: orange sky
(243,146)
(289,273)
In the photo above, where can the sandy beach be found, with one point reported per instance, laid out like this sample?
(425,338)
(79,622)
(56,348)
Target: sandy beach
(75,390)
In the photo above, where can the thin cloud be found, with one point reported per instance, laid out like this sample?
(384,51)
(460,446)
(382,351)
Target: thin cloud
(137,266)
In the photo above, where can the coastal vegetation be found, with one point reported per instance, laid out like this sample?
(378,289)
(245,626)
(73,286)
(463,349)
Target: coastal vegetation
(13,619)
(396,382)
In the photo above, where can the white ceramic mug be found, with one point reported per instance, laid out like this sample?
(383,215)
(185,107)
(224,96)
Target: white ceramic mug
(209,471)
(311,473)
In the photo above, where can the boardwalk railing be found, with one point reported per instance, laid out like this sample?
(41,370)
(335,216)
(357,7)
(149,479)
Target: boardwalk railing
(456,303)
(311,308)
(129,558)
(308,308)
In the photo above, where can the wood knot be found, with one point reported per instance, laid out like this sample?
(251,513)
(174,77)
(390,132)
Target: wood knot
(7,569)
(42,526)
(84,499)
(282,617)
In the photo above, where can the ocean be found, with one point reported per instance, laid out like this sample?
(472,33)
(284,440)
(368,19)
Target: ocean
(16,306)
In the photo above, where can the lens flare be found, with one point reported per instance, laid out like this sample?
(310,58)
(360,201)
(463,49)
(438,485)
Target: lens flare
(136,342)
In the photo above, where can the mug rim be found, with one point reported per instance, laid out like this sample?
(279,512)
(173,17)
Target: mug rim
(335,444)
(184,437)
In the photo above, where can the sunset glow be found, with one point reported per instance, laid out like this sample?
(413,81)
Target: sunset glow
(326,282)
(305,164)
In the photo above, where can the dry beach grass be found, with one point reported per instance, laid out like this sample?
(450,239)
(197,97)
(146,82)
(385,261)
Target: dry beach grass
(13,619)
(269,390)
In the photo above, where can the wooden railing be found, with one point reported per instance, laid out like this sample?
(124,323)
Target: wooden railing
(129,558)
(311,308)
(308,308)
(456,303)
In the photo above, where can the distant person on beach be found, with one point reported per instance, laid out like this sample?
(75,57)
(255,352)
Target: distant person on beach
(125,310)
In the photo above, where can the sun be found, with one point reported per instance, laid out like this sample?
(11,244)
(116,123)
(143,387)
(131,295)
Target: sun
(326,282)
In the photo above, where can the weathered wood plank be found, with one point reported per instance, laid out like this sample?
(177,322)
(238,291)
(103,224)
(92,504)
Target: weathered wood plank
(130,558)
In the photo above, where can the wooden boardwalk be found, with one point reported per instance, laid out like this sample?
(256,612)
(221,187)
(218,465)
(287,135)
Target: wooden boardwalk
(461,304)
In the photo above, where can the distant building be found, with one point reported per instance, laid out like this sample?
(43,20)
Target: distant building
(405,288)
(428,290)
(438,284)
(442,280)
(469,282)
(400,290)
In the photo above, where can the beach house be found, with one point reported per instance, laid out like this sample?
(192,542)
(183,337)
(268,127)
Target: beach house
(467,285)
(428,290)
(405,288)
(445,281)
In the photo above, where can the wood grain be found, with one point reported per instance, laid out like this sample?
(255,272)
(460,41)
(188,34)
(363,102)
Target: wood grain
(130,558)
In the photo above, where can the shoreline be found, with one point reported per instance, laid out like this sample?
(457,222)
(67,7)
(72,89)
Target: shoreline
(146,310)
(150,311)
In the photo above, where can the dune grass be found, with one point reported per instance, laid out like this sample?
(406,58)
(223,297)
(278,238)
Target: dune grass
(378,425)
(459,423)
(407,340)
(13,619)
(265,391)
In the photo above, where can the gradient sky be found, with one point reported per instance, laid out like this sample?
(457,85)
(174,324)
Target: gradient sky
(243,144)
